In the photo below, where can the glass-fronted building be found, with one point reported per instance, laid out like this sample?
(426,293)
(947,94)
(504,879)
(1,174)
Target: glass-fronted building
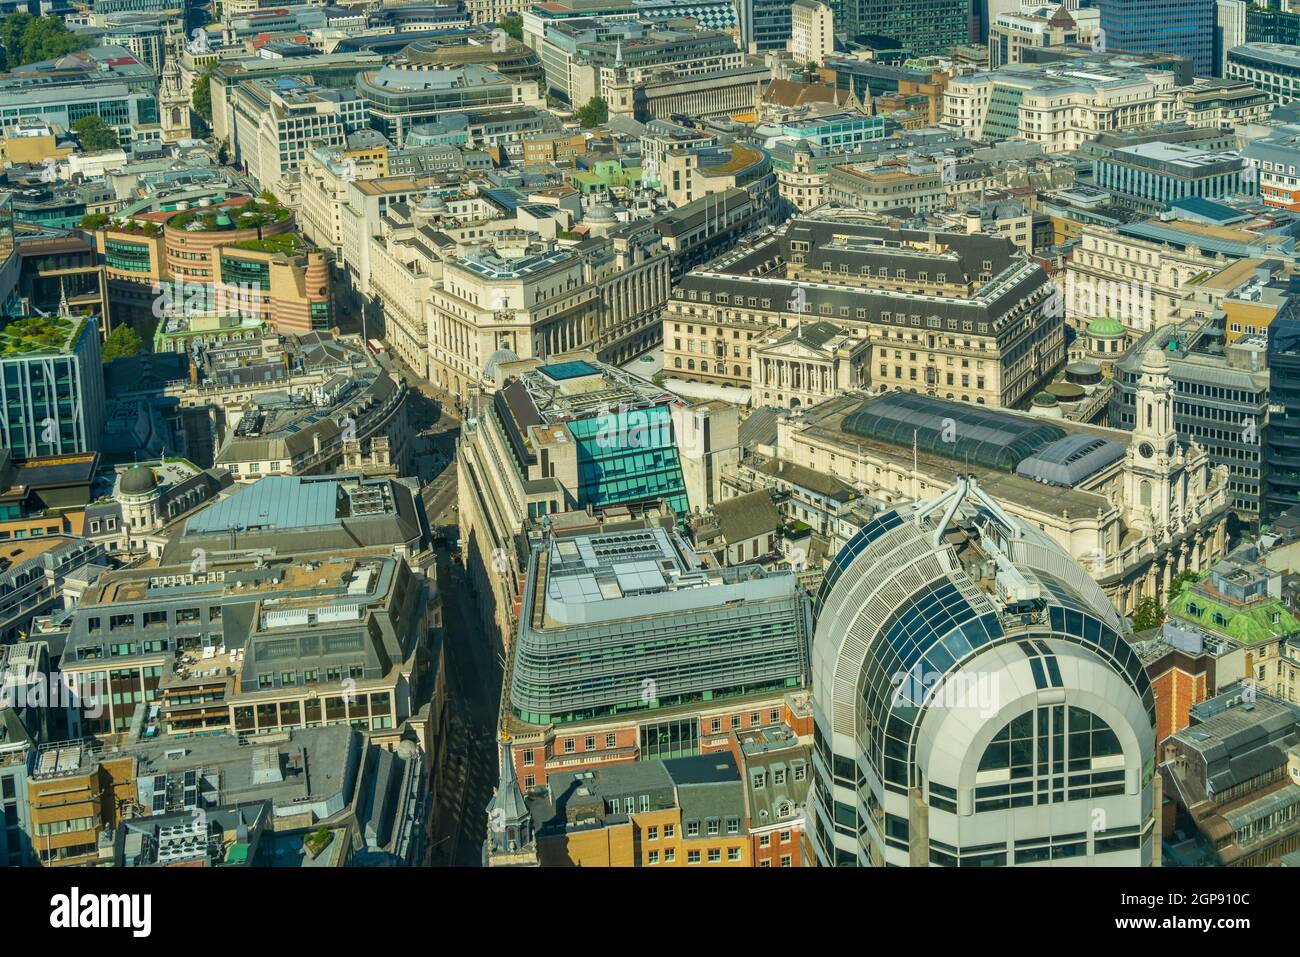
(1281,487)
(922,27)
(1182,28)
(976,701)
(52,386)
(764,25)
(630,620)
(397,99)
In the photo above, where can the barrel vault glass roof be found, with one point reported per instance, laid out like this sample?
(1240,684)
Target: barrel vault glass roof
(954,430)
(1070,460)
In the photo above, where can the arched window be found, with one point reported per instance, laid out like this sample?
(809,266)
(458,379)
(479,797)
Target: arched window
(1052,754)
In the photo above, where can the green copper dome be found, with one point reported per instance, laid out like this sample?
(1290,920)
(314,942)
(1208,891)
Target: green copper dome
(1105,326)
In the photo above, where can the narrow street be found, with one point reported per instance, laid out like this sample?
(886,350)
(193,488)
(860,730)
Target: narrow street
(474,683)
(473,669)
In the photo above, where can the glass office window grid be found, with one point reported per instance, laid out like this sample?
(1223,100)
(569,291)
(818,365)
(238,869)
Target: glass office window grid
(1051,754)
(1177,27)
(629,456)
(922,27)
(689,658)
(128,257)
(856,545)
(925,637)
(931,635)
(249,273)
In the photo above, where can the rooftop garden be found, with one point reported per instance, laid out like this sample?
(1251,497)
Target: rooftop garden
(286,243)
(139,227)
(36,334)
(254,214)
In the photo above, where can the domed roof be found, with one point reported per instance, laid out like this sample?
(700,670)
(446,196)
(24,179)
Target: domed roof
(431,201)
(1155,362)
(137,480)
(496,360)
(601,214)
(1106,327)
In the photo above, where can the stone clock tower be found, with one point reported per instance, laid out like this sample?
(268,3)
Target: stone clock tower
(173,102)
(1157,467)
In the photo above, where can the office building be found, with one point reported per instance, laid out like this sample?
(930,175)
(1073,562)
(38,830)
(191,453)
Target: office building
(53,385)
(311,433)
(538,298)
(1231,776)
(239,260)
(1012,32)
(397,98)
(549,437)
(1274,158)
(254,647)
(1181,27)
(940,309)
(1060,106)
(764,25)
(812,31)
(1281,436)
(277,120)
(1231,18)
(919,27)
(1151,176)
(1271,67)
(999,704)
(621,588)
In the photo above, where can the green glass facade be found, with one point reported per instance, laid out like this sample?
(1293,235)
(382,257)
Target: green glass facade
(250,273)
(129,257)
(628,457)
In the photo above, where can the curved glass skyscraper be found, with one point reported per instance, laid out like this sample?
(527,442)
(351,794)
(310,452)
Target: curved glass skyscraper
(976,700)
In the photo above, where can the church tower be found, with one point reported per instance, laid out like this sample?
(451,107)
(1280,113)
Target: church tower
(511,840)
(1155,476)
(173,103)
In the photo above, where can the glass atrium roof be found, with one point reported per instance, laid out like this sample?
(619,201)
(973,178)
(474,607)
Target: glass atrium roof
(954,430)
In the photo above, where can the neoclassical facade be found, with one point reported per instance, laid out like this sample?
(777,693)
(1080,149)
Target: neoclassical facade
(1137,508)
(809,365)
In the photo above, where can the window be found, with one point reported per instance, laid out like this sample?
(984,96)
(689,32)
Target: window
(733,853)
(692,828)
(652,857)
(568,746)
(715,855)
(692,857)
(589,743)
(765,840)
(652,833)
(785,860)
(611,740)
(670,831)
(713,826)
(785,837)
(528,756)
(670,855)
